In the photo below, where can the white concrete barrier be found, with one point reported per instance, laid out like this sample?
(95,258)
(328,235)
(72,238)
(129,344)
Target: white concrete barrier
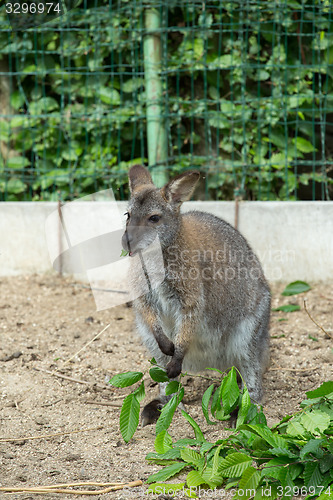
(294,240)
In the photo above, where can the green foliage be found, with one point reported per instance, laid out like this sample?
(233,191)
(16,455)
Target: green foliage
(288,308)
(295,288)
(295,457)
(247,104)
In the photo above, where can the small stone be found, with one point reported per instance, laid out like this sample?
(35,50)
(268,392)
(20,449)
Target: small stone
(72,457)
(41,421)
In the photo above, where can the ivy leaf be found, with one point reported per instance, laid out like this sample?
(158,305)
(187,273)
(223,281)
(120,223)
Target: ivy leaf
(303,145)
(129,417)
(126,379)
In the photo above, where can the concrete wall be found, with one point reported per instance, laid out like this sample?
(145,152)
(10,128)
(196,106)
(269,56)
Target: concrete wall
(294,240)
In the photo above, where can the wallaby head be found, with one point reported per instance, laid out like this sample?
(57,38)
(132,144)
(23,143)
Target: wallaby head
(154,211)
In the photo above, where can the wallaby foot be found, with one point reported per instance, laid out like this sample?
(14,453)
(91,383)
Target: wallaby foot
(151,412)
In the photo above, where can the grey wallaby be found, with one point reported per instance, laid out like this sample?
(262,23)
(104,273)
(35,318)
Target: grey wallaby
(213,307)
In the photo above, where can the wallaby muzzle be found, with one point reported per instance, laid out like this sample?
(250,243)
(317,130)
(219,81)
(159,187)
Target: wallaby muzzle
(137,238)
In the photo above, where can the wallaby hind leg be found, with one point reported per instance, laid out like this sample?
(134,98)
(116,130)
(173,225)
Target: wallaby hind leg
(255,361)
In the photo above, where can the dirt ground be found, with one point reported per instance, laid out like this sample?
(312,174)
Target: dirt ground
(44,320)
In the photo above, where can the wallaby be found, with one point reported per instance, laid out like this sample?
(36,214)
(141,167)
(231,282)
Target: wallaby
(213,307)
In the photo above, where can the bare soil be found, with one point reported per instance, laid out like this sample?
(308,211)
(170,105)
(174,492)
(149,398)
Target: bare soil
(44,320)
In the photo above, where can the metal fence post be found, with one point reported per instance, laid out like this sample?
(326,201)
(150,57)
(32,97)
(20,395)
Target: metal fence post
(156,130)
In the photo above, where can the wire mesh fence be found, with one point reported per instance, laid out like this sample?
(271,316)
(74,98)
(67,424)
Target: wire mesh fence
(240,90)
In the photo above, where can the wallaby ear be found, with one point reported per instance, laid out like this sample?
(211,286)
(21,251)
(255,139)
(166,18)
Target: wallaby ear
(138,176)
(181,188)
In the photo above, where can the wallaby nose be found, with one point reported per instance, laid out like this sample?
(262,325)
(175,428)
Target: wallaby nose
(126,241)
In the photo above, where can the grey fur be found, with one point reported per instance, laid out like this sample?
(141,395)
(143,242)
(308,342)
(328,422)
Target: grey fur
(214,303)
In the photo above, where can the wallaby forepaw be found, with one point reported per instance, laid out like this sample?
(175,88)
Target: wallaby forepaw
(167,346)
(174,367)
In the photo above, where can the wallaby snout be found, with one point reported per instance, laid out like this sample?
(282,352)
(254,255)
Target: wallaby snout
(213,307)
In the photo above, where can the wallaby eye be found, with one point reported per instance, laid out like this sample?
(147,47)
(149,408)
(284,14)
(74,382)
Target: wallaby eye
(127,214)
(154,218)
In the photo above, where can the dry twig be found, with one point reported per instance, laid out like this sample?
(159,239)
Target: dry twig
(71,379)
(46,436)
(86,345)
(58,489)
(315,322)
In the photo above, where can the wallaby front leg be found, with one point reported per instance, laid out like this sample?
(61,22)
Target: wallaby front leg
(182,343)
(164,343)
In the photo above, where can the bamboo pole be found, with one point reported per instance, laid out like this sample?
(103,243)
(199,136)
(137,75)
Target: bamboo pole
(156,129)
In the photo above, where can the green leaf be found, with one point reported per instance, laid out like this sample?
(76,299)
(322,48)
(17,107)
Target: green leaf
(303,145)
(249,482)
(326,463)
(190,456)
(265,432)
(126,379)
(43,106)
(168,410)
(166,473)
(288,308)
(234,465)
(312,446)
(315,420)
(16,99)
(132,85)
(325,389)
(244,407)
(312,475)
(170,455)
(163,442)
(109,96)
(194,479)
(295,428)
(16,186)
(171,388)
(205,402)
(17,162)
(197,431)
(295,288)
(158,374)
(129,417)
(230,391)
(140,392)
